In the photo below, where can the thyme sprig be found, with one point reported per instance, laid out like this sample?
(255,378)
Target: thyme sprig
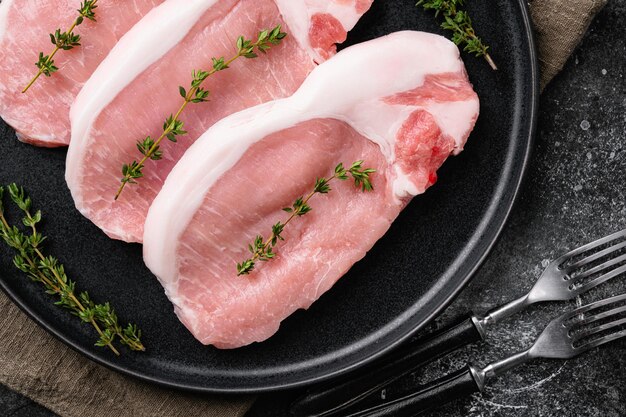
(263,249)
(173,126)
(459,22)
(63,41)
(48,271)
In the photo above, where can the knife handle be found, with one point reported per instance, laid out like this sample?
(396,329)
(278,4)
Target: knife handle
(459,384)
(333,398)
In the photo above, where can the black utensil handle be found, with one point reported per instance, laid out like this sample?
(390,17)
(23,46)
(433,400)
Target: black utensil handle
(451,387)
(331,399)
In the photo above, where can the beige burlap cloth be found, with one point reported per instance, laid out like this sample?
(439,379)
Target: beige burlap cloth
(37,365)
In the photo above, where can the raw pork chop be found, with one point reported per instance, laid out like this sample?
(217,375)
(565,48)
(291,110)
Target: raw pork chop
(136,87)
(402,103)
(41,116)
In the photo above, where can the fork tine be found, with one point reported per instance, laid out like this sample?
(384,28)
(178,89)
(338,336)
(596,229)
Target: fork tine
(592,245)
(601,341)
(605,314)
(593,306)
(599,268)
(582,262)
(598,329)
(604,327)
(601,279)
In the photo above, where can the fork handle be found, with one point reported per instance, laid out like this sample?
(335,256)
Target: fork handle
(332,399)
(456,385)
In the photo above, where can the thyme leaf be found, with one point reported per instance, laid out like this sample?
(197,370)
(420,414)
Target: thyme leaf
(47,270)
(195,94)
(63,41)
(458,21)
(263,249)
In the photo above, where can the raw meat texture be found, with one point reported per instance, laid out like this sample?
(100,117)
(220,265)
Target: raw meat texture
(136,87)
(402,103)
(320,24)
(41,116)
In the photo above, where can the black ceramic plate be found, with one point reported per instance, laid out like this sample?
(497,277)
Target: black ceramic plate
(411,274)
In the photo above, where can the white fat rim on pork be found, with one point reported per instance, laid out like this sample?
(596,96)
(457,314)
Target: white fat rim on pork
(144,44)
(5,6)
(348,87)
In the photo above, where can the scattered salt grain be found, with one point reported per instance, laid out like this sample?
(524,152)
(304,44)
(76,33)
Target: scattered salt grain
(585,125)
(578,187)
(604,71)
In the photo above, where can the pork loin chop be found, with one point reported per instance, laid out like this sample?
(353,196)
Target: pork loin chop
(401,103)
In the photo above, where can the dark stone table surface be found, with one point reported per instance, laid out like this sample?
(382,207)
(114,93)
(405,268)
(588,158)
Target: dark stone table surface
(575,192)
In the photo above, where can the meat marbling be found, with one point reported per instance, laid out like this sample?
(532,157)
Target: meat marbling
(41,116)
(402,103)
(136,87)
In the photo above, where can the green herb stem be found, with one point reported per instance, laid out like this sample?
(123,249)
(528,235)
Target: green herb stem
(260,252)
(47,270)
(56,289)
(263,249)
(63,40)
(173,126)
(459,22)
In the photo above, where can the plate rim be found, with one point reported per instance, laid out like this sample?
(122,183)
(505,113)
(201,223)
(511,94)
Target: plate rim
(503,211)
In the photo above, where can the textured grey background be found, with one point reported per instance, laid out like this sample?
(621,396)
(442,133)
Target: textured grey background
(574,193)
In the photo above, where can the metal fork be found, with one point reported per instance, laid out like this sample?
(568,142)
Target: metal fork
(565,337)
(558,282)
(563,279)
